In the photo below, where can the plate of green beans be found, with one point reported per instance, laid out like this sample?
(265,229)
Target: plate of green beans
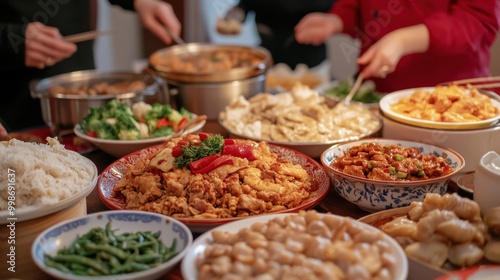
(122,244)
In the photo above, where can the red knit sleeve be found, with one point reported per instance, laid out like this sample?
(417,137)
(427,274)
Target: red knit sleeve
(347,10)
(469,26)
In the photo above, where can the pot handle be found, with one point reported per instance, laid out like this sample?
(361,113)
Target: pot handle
(160,81)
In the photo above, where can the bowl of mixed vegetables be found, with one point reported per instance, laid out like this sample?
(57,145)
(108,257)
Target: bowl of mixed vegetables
(121,244)
(366,93)
(119,129)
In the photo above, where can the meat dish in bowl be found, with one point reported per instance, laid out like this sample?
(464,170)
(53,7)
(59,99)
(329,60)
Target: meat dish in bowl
(378,174)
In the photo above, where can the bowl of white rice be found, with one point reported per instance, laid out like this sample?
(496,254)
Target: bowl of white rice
(40,185)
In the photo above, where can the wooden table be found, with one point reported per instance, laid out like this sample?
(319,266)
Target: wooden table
(332,203)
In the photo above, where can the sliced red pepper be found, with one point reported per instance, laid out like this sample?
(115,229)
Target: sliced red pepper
(239,150)
(92,134)
(177,150)
(221,160)
(203,135)
(202,162)
(163,122)
(229,141)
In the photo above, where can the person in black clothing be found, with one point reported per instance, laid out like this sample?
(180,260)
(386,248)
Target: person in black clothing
(275,20)
(31,47)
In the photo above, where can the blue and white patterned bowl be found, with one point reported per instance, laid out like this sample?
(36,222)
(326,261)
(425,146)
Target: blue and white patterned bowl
(63,234)
(373,195)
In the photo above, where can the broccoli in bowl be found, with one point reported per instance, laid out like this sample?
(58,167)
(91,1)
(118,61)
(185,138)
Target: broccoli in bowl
(117,121)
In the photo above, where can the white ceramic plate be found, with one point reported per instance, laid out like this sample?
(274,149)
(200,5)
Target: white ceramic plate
(32,212)
(394,97)
(190,271)
(65,233)
(119,148)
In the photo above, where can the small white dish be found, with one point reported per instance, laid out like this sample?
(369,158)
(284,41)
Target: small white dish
(65,233)
(486,182)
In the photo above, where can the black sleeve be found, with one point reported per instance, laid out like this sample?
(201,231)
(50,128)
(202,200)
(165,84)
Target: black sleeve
(12,46)
(126,4)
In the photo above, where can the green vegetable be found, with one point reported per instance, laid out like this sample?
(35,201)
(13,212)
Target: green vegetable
(392,170)
(101,252)
(211,145)
(421,173)
(399,157)
(401,175)
(365,94)
(116,121)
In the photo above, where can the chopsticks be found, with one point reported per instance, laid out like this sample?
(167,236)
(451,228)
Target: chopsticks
(479,83)
(85,36)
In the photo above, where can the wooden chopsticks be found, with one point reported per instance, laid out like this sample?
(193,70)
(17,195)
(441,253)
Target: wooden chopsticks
(85,36)
(479,83)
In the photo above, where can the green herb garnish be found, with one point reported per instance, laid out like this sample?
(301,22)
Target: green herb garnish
(211,145)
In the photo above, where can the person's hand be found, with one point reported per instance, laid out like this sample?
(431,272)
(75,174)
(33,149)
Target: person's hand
(3,133)
(383,56)
(315,28)
(157,15)
(45,46)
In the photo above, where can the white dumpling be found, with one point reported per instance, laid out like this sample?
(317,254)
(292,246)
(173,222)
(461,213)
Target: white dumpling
(465,255)
(432,252)
(460,231)
(492,220)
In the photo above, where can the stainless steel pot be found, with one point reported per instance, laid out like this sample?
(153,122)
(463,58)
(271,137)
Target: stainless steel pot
(64,111)
(211,98)
(159,58)
(209,92)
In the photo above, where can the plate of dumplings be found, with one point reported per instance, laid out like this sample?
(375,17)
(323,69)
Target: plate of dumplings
(442,234)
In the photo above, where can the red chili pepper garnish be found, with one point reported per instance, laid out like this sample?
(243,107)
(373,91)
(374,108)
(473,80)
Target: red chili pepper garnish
(203,135)
(239,150)
(221,160)
(163,122)
(177,150)
(229,141)
(92,134)
(202,162)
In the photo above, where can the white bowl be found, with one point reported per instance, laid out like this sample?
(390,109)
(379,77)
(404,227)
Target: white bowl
(376,195)
(394,97)
(119,148)
(64,234)
(471,144)
(190,271)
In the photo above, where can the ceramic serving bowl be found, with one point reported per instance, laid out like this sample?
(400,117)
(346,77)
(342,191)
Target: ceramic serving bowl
(119,148)
(62,235)
(376,195)
(472,144)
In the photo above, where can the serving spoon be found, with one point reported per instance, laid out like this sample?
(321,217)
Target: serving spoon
(347,100)
(189,124)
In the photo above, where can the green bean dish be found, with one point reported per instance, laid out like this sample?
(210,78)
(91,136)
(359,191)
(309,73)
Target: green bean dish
(102,252)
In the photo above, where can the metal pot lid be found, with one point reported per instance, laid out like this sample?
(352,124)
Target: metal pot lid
(40,88)
(161,60)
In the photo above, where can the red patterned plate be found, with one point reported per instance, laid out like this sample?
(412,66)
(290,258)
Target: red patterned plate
(114,172)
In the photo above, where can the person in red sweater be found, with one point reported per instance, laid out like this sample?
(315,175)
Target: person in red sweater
(408,44)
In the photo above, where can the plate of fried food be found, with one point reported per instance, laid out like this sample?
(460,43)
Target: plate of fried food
(204,180)
(442,234)
(442,107)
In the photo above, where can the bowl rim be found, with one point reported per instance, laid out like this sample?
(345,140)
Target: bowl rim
(323,143)
(392,183)
(78,131)
(133,275)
